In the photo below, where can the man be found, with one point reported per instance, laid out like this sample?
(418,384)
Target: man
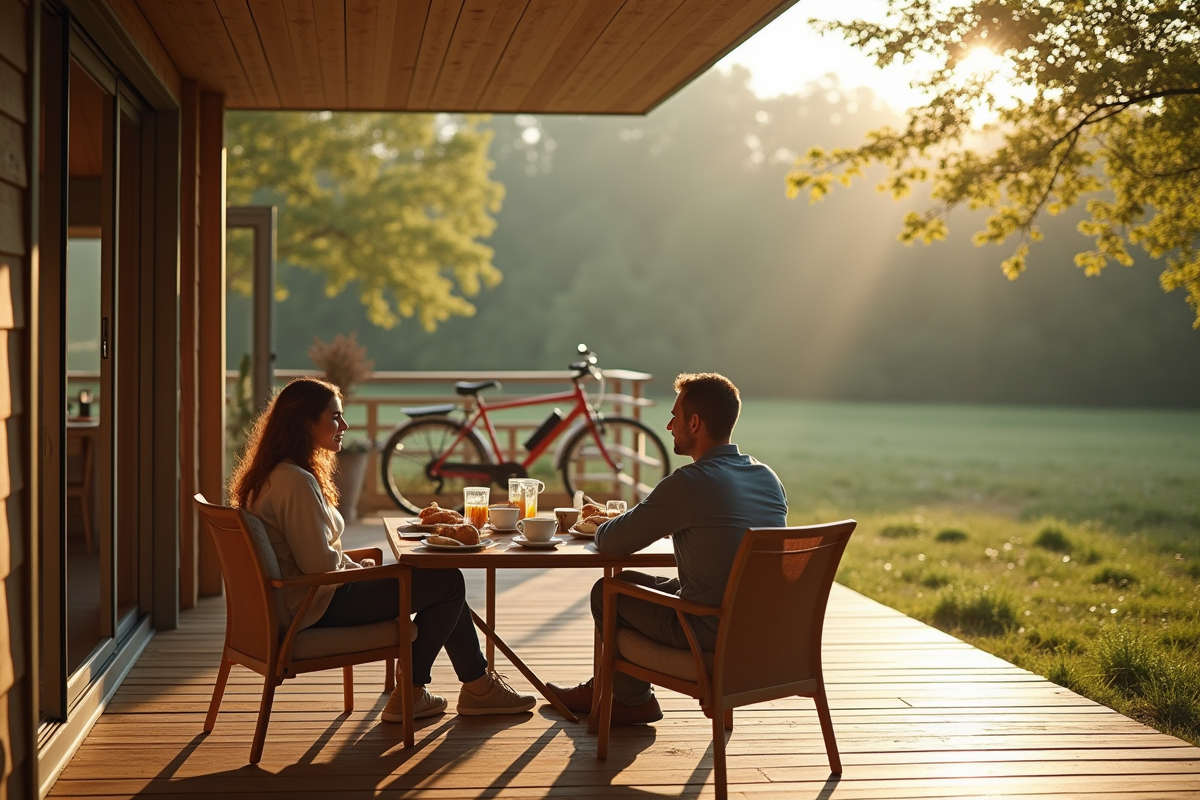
(706,507)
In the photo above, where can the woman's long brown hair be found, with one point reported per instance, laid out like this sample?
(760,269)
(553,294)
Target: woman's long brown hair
(283,432)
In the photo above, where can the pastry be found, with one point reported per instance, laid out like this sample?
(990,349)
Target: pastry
(463,534)
(443,541)
(590,510)
(436,515)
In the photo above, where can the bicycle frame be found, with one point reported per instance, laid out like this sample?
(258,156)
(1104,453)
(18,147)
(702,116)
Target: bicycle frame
(582,407)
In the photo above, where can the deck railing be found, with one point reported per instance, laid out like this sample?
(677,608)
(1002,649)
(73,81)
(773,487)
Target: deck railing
(375,408)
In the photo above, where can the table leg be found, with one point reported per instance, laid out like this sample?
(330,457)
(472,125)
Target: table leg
(404,679)
(490,612)
(597,661)
(491,635)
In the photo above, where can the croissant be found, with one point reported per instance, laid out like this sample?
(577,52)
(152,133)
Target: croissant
(463,534)
(435,515)
(590,510)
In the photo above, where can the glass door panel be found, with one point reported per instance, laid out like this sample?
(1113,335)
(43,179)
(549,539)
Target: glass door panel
(88,531)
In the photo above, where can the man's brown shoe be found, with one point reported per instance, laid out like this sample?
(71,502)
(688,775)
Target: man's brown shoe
(579,699)
(641,714)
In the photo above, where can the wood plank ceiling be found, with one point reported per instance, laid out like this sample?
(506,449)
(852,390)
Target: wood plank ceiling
(535,56)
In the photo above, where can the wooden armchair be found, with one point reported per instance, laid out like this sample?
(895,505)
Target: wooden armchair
(255,608)
(768,635)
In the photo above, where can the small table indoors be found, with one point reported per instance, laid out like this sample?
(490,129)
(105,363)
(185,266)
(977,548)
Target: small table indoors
(506,554)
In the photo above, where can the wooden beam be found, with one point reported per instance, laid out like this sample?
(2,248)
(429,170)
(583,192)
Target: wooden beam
(211,316)
(189,341)
(165,403)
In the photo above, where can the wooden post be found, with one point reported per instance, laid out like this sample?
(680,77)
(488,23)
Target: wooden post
(189,257)
(210,384)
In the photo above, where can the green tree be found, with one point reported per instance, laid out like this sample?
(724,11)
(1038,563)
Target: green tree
(396,203)
(1094,101)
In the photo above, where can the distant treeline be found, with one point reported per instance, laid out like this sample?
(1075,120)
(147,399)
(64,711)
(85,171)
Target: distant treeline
(666,243)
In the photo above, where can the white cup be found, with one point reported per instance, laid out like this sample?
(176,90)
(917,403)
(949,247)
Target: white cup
(504,518)
(537,529)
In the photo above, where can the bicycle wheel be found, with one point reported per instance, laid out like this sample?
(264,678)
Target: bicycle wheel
(640,458)
(410,453)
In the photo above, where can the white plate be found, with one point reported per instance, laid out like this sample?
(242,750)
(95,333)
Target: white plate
(484,544)
(580,534)
(521,540)
(494,529)
(413,524)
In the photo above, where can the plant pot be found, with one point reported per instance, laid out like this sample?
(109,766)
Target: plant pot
(351,471)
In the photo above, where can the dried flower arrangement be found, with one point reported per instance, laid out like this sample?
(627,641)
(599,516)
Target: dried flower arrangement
(343,360)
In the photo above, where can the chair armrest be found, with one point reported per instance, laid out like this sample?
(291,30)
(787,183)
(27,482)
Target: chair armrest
(342,576)
(615,586)
(366,552)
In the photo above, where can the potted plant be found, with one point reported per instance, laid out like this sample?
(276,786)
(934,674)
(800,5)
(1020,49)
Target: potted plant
(345,364)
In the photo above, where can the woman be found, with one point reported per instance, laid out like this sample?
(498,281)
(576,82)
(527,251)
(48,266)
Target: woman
(285,479)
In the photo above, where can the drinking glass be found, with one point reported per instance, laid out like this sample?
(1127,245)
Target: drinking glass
(530,488)
(616,507)
(475,498)
(516,496)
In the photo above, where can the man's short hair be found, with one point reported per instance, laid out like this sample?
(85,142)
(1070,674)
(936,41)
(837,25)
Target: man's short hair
(713,398)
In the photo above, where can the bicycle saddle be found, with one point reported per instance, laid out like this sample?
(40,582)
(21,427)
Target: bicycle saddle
(474,387)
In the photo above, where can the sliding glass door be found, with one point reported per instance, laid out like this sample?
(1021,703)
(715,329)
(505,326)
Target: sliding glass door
(93,543)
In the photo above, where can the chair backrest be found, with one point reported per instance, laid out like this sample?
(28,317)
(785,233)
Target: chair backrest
(79,461)
(774,606)
(252,625)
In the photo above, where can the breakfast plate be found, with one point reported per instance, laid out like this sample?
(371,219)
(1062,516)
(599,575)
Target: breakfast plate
(578,534)
(484,544)
(414,525)
(553,542)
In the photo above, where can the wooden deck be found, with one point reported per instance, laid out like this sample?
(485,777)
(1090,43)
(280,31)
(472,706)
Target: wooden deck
(917,714)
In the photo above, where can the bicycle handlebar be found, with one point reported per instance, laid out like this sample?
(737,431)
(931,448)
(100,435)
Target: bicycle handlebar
(588,365)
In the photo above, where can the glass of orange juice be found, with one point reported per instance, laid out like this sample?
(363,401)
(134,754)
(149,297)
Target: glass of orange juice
(475,498)
(516,496)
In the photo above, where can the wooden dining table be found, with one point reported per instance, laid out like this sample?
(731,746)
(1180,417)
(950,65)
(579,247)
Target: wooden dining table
(573,553)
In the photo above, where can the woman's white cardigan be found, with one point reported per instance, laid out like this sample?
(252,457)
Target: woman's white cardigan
(305,532)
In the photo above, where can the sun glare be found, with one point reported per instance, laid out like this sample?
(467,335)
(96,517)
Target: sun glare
(996,71)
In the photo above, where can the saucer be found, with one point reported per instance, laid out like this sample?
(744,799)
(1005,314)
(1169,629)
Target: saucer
(494,529)
(549,545)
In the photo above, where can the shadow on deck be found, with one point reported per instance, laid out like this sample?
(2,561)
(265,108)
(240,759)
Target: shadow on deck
(917,713)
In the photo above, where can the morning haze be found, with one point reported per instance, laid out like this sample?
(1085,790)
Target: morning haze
(667,244)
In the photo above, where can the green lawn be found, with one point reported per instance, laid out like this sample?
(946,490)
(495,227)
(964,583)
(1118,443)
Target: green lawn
(1065,540)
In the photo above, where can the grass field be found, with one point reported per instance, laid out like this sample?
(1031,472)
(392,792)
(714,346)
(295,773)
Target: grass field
(1064,540)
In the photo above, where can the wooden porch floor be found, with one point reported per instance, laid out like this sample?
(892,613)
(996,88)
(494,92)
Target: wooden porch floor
(917,714)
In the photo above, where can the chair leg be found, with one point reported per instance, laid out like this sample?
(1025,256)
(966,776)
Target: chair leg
(348,688)
(718,727)
(389,675)
(831,748)
(218,692)
(264,718)
(86,515)
(604,718)
(729,719)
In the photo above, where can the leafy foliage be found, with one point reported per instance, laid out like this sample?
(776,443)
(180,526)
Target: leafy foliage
(394,202)
(616,230)
(1074,87)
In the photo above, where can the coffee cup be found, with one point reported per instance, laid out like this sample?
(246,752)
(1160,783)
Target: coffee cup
(566,518)
(503,518)
(537,529)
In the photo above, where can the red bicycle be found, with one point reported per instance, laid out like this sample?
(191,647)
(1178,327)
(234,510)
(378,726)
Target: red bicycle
(432,456)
